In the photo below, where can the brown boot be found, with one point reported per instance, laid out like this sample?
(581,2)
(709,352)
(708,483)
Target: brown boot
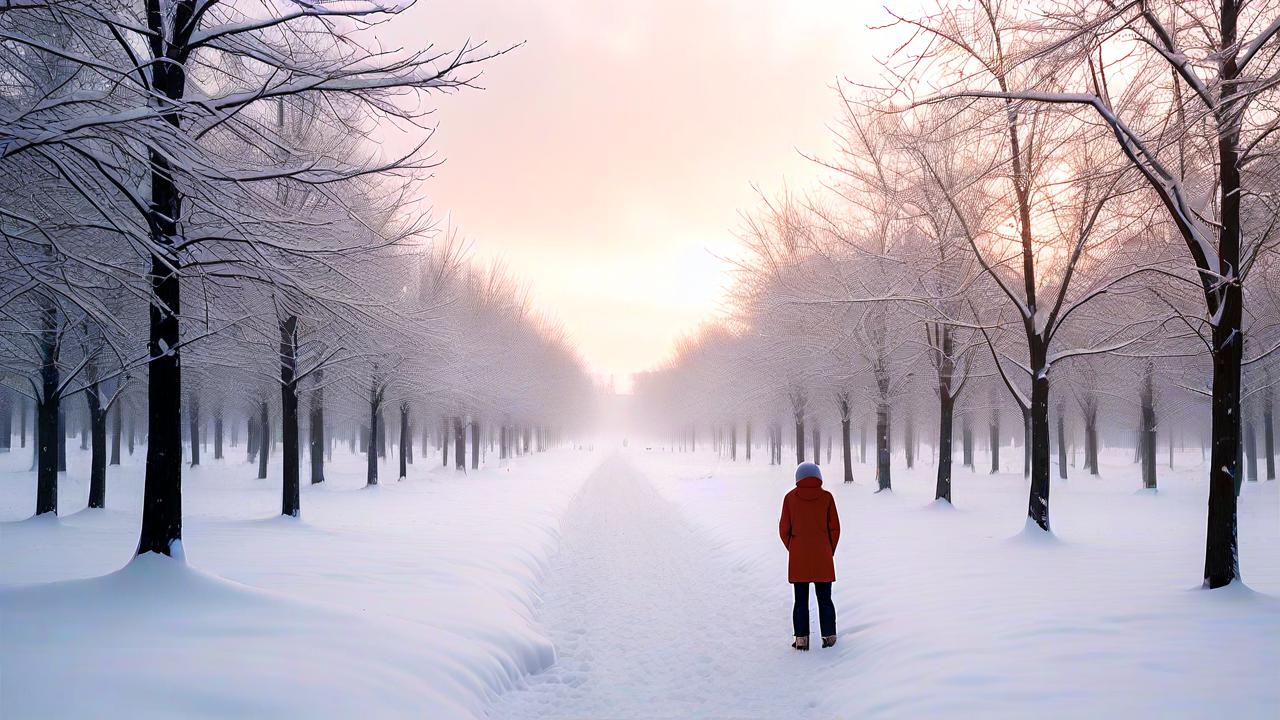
(801,643)
(828,640)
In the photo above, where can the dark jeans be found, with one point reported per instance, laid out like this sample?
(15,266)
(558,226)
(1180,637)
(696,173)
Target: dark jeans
(826,609)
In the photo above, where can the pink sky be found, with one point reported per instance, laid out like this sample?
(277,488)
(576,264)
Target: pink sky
(608,158)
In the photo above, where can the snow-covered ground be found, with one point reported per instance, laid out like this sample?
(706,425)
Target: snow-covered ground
(956,612)
(633,584)
(410,599)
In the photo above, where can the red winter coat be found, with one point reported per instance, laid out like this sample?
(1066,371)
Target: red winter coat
(810,528)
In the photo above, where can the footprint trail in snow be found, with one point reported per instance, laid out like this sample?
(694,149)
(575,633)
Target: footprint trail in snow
(649,621)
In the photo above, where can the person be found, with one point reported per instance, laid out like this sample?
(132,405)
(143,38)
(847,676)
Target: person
(810,530)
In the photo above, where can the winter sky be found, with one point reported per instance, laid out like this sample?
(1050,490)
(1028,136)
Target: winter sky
(608,158)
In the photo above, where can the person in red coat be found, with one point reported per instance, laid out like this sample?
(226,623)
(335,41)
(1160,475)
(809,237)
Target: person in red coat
(810,529)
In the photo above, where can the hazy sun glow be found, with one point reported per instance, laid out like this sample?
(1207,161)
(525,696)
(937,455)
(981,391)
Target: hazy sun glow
(608,158)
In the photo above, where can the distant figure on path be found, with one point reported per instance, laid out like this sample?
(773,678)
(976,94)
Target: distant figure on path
(810,529)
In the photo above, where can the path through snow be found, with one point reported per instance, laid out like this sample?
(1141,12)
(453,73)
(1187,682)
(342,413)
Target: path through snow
(650,620)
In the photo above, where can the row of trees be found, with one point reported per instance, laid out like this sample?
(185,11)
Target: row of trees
(1081,193)
(200,210)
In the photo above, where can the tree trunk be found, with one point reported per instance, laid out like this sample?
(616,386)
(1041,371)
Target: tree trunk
(290,502)
(48,410)
(799,440)
(475,445)
(115,430)
(251,448)
(817,444)
(1091,440)
(1038,502)
(946,414)
(317,434)
(161,530)
(994,427)
(371,443)
(1062,443)
(847,450)
(460,444)
(6,421)
(1222,561)
(909,442)
(1250,451)
(1027,432)
(862,442)
(193,431)
(966,441)
(98,454)
(444,441)
(264,439)
(404,440)
(217,433)
(1268,431)
(1148,433)
(883,479)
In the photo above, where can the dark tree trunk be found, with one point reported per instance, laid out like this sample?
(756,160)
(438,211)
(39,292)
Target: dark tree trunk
(317,435)
(1148,433)
(85,423)
(909,442)
(22,422)
(1268,431)
(460,444)
(217,434)
(1222,561)
(1250,451)
(1027,422)
(444,441)
(194,428)
(382,436)
(475,445)
(162,492)
(748,441)
(1038,501)
(883,479)
(733,442)
(251,448)
(48,411)
(862,443)
(115,430)
(6,421)
(371,446)
(1062,442)
(994,427)
(98,455)
(290,502)
(847,450)
(799,440)
(1091,439)
(264,439)
(946,415)
(967,443)
(404,440)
